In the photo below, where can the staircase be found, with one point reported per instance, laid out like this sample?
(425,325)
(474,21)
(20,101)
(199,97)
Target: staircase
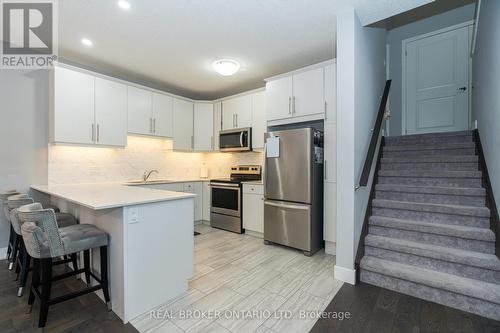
(429,234)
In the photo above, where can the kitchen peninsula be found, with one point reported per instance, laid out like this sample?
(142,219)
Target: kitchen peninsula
(151,239)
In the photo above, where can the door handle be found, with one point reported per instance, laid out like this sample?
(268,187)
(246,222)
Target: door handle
(293,105)
(462,88)
(284,205)
(326,170)
(150,125)
(97,132)
(93,135)
(154,125)
(289,105)
(236,120)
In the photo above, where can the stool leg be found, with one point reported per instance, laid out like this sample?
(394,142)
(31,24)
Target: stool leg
(35,282)
(104,275)
(86,265)
(15,250)
(25,268)
(12,236)
(75,263)
(20,257)
(45,292)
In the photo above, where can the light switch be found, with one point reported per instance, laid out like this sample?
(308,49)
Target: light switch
(133,215)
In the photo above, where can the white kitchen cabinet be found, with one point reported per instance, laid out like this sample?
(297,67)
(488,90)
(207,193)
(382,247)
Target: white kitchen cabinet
(72,107)
(237,112)
(217,123)
(196,188)
(330,151)
(259,125)
(110,113)
(203,126)
(308,93)
(183,124)
(279,98)
(331,93)
(207,195)
(162,115)
(139,111)
(253,208)
(330,212)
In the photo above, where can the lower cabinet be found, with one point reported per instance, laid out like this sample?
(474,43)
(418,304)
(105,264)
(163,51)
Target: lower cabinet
(196,188)
(207,195)
(253,208)
(330,217)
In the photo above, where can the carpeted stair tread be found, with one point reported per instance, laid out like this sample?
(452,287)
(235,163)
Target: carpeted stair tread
(401,140)
(468,191)
(430,174)
(430,152)
(426,146)
(464,232)
(430,159)
(440,166)
(436,208)
(459,256)
(430,135)
(464,286)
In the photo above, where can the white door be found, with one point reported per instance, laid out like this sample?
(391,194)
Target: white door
(258,119)
(73,104)
(331,93)
(279,99)
(437,89)
(203,126)
(308,93)
(162,115)
(139,111)
(110,113)
(183,124)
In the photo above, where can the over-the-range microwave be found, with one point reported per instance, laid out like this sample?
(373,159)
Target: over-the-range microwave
(239,139)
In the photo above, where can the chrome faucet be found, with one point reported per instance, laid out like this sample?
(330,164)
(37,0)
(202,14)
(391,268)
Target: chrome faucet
(147,174)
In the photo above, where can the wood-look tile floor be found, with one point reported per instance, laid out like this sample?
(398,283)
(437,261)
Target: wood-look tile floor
(236,274)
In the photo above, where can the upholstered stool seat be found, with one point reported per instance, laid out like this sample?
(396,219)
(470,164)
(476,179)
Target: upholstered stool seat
(64,219)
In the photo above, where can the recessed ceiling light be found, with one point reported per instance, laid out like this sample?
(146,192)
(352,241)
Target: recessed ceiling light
(87,42)
(124,4)
(226,67)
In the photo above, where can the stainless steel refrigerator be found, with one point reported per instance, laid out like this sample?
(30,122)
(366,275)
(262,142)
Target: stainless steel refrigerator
(293,178)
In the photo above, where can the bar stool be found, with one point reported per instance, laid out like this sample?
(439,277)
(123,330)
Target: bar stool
(3,200)
(44,242)
(20,257)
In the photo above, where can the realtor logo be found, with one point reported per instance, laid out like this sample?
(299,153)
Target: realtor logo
(29,34)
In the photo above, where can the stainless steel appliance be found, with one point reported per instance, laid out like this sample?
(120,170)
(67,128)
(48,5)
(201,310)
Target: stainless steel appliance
(226,206)
(239,139)
(293,189)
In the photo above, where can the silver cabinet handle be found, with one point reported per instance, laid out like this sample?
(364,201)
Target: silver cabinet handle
(326,114)
(326,170)
(284,205)
(192,141)
(93,135)
(212,142)
(150,125)
(289,105)
(154,125)
(97,132)
(236,120)
(293,105)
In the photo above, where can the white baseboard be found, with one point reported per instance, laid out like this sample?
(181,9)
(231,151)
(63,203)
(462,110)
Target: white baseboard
(3,253)
(330,248)
(254,233)
(345,274)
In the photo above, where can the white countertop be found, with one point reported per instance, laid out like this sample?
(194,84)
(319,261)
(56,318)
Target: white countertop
(104,196)
(165,181)
(253,182)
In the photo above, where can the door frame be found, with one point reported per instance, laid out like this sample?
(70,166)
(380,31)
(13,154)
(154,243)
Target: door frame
(405,42)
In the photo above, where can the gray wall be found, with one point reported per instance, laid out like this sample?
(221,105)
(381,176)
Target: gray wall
(486,87)
(23,133)
(395,39)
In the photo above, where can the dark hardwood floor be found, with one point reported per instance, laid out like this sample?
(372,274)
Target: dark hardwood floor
(83,314)
(374,309)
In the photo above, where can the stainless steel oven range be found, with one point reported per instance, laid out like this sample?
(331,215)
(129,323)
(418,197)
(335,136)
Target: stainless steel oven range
(226,199)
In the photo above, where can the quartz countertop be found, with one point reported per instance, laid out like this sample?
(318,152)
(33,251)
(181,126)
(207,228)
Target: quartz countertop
(109,195)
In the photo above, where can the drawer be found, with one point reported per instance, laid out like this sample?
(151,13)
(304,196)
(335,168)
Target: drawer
(253,189)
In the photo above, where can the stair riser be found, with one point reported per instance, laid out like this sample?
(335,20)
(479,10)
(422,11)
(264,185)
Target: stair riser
(430,166)
(432,198)
(422,147)
(429,152)
(427,181)
(461,302)
(430,217)
(447,241)
(427,141)
(467,271)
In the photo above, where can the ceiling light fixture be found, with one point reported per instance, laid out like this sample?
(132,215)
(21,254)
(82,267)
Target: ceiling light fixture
(226,67)
(87,42)
(124,5)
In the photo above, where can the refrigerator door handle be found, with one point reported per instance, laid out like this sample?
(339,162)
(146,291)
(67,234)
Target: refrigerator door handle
(285,205)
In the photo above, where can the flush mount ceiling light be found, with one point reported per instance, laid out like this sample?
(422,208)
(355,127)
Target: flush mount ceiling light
(87,42)
(226,67)
(124,5)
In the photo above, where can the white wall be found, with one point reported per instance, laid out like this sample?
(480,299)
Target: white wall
(361,80)
(23,133)
(486,85)
(395,39)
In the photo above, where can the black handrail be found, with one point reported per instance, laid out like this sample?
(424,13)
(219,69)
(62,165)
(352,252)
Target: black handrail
(365,174)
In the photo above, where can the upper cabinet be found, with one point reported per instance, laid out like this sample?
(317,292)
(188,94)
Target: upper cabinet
(149,113)
(237,112)
(203,126)
(259,126)
(87,110)
(308,93)
(162,115)
(183,125)
(279,98)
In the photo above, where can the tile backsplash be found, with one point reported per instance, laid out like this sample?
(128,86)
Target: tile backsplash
(77,164)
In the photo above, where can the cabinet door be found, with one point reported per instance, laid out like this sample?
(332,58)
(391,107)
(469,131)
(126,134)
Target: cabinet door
(330,150)
(162,115)
(243,111)
(259,126)
(228,114)
(197,189)
(253,212)
(110,113)
(207,194)
(139,111)
(331,93)
(217,124)
(279,99)
(203,126)
(73,107)
(330,211)
(183,124)
(308,93)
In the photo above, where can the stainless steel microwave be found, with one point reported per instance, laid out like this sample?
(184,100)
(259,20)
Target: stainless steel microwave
(239,139)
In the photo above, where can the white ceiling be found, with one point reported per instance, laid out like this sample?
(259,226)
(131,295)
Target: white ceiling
(170,44)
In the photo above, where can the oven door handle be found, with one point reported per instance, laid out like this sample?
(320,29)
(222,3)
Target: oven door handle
(224,185)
